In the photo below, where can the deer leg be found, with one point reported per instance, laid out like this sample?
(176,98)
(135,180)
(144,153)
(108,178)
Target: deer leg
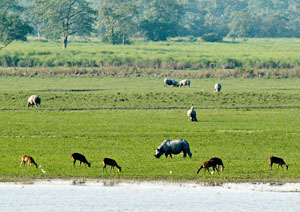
(74,163)
(217,167)
(270,166)
(104,167)
(207,170)
(80,164)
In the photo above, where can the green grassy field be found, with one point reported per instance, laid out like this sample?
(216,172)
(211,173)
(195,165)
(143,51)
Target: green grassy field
(245,54)
(127,118)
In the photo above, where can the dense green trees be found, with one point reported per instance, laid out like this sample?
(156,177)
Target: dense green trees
(161,19)
(119,21)
(62,18)
(11,25)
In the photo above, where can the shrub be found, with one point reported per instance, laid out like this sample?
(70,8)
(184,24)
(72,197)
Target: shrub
(212,37)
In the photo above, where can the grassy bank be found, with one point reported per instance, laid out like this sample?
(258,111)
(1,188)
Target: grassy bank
(266,124)
(244,55)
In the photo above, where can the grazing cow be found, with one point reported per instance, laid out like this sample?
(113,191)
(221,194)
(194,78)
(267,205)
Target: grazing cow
(110,162)
(278,161)
(81,158)
(34,100)
(185,82)
(28,159)
(218,87)
(170,82)
(191,113)
(169,147)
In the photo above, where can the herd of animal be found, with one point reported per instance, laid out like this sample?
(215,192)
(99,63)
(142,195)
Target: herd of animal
(187,82)
(167,147)
(75,157)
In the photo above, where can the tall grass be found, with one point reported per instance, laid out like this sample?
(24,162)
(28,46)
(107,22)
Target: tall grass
(242,54)
(149,72)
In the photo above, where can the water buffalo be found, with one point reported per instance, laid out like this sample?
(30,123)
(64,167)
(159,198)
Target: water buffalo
(185,82)
(34,100)
(169,147)
(170,82)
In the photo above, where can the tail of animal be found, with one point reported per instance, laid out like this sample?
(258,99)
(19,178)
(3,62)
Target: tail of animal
(81,158)
(110,162)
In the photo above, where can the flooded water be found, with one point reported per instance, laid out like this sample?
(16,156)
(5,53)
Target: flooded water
(144,196)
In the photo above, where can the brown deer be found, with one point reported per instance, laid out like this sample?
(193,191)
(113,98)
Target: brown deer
(278,161)
(218,163)
(206,165)
(28,159)
(110,162)
(81,158)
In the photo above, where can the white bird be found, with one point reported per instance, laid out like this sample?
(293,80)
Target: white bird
(42,169)
(191,113)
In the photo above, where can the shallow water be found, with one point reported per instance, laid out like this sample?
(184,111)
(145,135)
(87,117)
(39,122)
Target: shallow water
(143,196)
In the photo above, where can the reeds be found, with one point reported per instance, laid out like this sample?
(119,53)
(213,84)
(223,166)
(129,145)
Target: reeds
(251,58)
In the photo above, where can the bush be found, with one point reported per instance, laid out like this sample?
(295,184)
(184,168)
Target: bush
(212,37)
(116,38)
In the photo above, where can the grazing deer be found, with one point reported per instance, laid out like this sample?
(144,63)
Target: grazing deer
(206,165)
(28,159)
(278,161)
(110,162)
(215,163)
(81,158)
(218,163)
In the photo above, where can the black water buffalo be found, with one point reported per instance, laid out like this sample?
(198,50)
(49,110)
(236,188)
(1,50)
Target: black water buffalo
(170,82)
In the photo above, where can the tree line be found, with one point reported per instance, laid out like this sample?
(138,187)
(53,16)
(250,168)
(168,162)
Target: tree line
(121,21)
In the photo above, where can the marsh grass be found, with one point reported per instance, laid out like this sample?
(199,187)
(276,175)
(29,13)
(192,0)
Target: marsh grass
(249,56)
